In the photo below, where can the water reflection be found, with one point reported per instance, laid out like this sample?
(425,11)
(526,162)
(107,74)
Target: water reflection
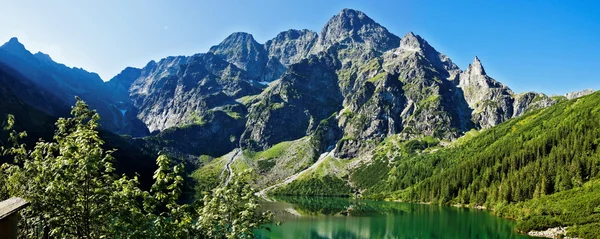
(346,218)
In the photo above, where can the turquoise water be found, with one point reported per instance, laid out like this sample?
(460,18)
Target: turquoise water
(330,218)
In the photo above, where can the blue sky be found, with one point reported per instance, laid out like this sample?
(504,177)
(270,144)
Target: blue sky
(539,45)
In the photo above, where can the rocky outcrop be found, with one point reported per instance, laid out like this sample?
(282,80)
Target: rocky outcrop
(530,101)
(577,94)
(180,90)
(292,107)
(121,83)
(291,46)
(491,102)
(353,28)
(555,232)
(243,51)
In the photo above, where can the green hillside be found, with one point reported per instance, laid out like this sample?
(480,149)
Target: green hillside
(544,152)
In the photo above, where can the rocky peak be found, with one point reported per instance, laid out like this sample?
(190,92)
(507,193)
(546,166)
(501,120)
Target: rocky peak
(13,42)
(236,38)
(291,46)
(127,76)
(243,51)
(14,46)
(476,68)
(351,27)
(475,76)
(43,57)
(577,94)
(416,51)
(412,42)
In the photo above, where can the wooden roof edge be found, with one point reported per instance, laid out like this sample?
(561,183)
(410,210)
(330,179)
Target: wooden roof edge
(11,205)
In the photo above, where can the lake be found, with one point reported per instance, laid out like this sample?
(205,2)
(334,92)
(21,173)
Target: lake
(321,218)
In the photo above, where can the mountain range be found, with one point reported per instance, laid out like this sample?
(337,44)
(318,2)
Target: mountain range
(347,89)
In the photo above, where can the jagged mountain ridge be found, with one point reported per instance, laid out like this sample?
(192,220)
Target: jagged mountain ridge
(59,84)
(373,82)
(381,85)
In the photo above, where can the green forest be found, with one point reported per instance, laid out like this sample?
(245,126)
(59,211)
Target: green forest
(515,169)
(75,192)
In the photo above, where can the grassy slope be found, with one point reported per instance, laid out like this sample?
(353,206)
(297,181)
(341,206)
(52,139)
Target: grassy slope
(208,176)
(329,178)
(272,165)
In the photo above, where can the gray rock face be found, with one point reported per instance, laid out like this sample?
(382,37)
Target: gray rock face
(243,51)
(216,136)
(291,46)
(293,106)
(287,48)
(352,28)
(530,101)
(180,90)
(491,101)
(121,83)
(577,94)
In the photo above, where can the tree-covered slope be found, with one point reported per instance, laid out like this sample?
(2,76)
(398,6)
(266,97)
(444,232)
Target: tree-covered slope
(541,153)
(541,157)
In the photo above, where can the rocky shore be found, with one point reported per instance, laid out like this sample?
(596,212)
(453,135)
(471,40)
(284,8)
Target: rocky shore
(555,232)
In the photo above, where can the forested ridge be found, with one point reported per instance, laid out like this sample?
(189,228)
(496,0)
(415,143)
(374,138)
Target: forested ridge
(544,152)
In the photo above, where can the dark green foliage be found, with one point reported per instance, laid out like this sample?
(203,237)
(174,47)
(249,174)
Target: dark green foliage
(426,142)
(324,186)
(265,165)
(371,174)
(576,208)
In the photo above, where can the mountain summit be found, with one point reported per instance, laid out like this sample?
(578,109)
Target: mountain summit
(352,27)
(476,67)
(242,50)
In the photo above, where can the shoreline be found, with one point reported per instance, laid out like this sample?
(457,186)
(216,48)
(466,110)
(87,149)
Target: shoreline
(554,232)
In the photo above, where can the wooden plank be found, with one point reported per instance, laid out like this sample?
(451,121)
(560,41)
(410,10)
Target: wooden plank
(11,205)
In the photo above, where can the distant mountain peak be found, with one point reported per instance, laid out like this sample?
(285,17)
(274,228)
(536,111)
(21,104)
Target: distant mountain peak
(577,94)
(13,40)
(42,56)
(13,45)
(350,19)
(351,13)
(352,27)
(412,42)
(242,50)
(293,34)
(476,67)
(238,37)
